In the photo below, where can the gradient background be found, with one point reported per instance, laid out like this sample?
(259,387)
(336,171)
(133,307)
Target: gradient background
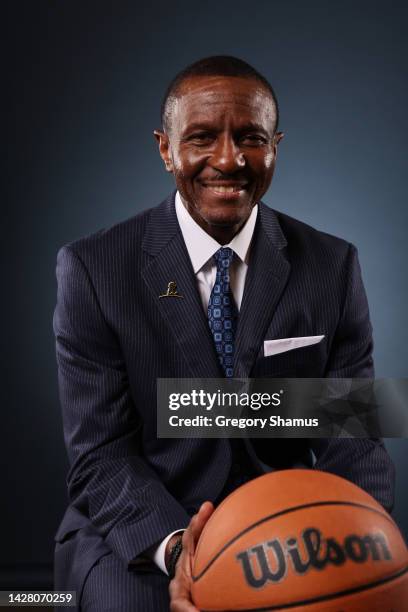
(86,80)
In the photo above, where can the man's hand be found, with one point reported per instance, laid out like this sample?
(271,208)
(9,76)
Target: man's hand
(180,586)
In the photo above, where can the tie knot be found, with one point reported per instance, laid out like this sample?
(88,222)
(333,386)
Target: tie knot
(224,257)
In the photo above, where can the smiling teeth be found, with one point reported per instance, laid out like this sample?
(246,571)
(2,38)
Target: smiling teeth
(225,189)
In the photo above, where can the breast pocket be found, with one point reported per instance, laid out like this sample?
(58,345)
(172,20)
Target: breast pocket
(302,362)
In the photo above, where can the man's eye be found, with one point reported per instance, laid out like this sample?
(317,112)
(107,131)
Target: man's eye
(200,138)
(253,139)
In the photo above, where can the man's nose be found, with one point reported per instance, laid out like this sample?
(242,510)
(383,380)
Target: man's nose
(227,156)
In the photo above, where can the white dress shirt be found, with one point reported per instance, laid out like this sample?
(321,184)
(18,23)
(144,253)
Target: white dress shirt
(201,248)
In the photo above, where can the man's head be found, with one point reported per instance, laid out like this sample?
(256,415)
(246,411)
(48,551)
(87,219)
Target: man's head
(220,139)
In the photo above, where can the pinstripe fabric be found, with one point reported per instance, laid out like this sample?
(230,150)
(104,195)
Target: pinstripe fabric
(114,335)
(123,590)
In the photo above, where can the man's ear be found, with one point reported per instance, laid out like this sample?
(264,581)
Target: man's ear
(276,140)
(278,137)
(164,149)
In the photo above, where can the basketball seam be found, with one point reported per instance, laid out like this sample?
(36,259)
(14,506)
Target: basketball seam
(306,602)
(281,513)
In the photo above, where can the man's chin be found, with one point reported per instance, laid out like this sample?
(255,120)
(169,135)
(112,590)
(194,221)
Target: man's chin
(219,213)
(225,217)
(222,222)
(225,214)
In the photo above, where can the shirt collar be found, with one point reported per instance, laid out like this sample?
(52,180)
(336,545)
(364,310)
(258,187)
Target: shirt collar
(201,246)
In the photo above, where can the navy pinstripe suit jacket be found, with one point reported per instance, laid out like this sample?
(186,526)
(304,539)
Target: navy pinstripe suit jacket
(128,489)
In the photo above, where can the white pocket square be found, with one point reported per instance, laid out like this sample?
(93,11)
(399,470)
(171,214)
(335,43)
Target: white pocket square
(282,345)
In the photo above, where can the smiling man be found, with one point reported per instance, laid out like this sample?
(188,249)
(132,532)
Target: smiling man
(220,142)
(247,274)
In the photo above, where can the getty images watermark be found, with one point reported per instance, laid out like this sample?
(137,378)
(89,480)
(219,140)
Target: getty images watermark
(294,408)
(225,399)
(208,400)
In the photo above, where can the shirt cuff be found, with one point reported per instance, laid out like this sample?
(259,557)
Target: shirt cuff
(158,555)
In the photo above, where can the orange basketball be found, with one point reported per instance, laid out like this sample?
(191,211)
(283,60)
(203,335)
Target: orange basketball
(301,540)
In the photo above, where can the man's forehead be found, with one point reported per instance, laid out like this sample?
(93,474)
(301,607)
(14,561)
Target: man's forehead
(198,94)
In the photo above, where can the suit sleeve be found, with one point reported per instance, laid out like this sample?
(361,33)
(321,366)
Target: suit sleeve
(362,461)
(109,481)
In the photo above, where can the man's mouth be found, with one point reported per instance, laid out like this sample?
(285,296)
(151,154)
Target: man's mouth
(225,189)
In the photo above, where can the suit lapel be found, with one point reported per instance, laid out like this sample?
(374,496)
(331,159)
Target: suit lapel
(184,315)
(268,273)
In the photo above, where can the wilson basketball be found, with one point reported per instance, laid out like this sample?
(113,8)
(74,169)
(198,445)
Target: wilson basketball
(300,540)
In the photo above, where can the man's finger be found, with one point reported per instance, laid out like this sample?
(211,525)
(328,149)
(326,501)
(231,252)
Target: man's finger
(180,594)
(182,605)
(200,519)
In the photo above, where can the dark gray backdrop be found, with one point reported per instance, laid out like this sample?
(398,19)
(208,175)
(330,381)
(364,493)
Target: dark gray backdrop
(86,80)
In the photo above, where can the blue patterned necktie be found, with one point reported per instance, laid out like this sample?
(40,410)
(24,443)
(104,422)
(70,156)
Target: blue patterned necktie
(222,312)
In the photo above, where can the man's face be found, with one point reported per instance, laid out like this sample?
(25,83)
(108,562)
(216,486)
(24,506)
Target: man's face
(221,148)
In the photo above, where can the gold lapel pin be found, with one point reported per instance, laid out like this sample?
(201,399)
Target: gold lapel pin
(171,291)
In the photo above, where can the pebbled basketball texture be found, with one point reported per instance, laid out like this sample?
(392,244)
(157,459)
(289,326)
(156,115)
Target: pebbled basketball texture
(300,540)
